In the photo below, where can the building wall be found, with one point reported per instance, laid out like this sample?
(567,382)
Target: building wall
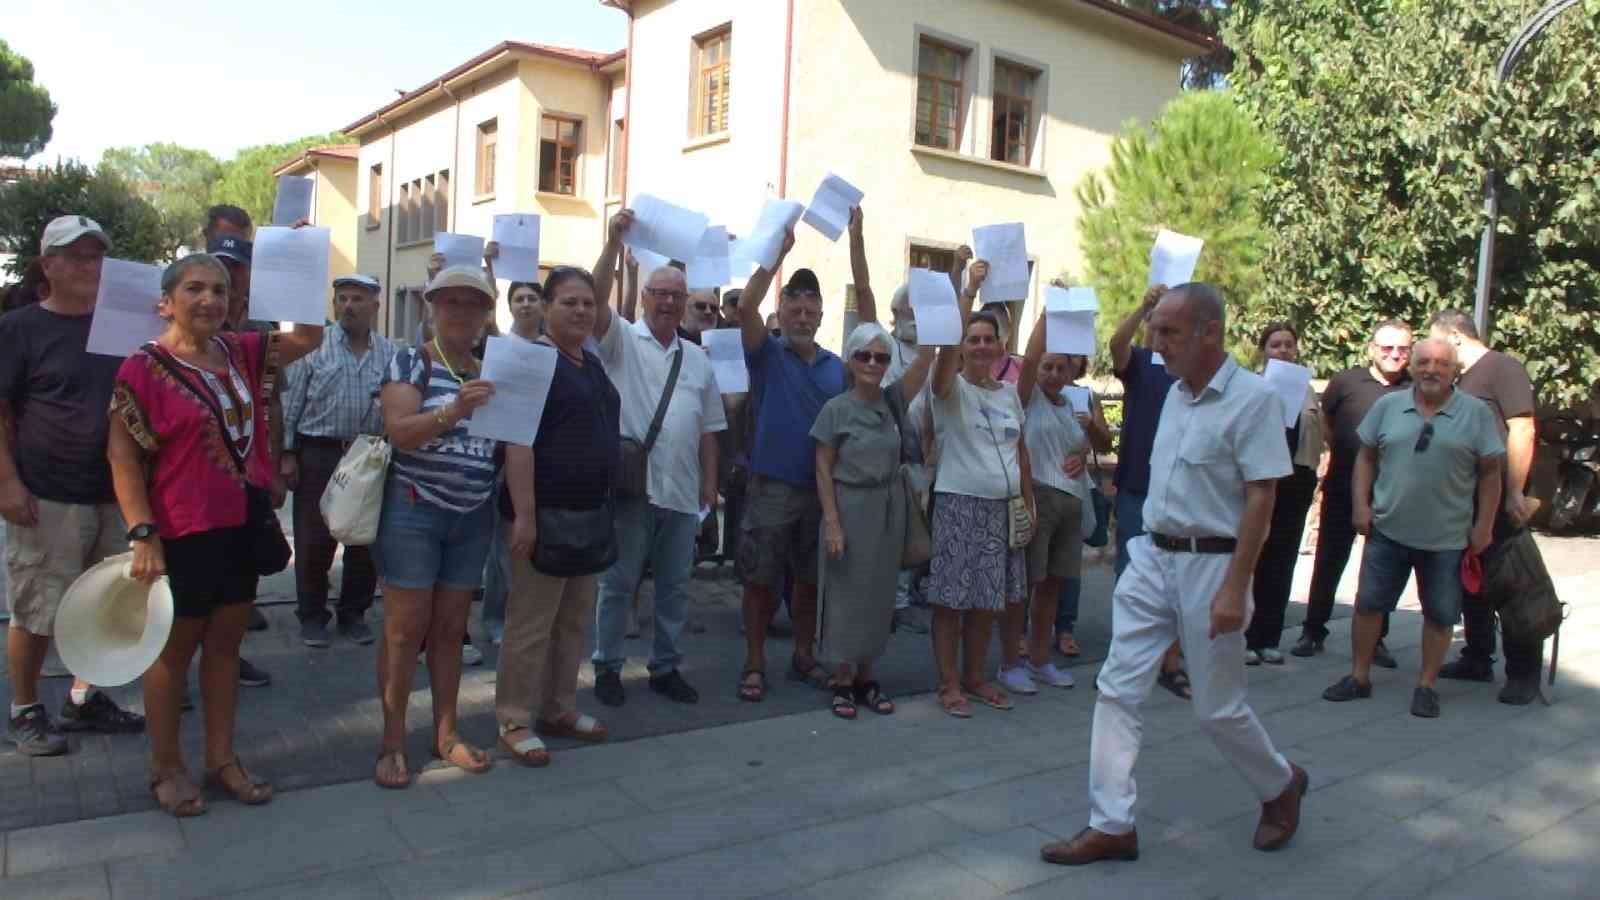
(335,209)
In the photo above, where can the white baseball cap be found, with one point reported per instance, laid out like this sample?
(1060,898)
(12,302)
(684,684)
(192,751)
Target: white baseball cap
(63,230)
(461,276)
(357,279)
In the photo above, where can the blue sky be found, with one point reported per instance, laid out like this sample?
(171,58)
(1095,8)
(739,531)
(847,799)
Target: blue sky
(221,76)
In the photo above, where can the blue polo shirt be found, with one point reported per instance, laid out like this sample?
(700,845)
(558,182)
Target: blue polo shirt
(1144,391)
(790,393)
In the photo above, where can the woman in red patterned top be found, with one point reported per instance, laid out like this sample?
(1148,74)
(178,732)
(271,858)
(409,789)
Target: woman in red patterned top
(190,463)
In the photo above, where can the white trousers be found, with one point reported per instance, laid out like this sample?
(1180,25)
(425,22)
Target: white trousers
(1162,596)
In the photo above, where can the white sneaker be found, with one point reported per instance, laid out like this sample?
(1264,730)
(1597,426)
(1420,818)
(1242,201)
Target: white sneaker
(1050,676)
(1271,656)
(1017,681)
(1252,658)
(471,656)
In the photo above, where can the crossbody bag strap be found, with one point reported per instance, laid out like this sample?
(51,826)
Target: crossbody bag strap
(997,451)
(167,361)
(666,398)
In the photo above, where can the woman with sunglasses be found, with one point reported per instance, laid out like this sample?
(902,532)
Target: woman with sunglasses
(858,441)
(983,465)
(1274,576)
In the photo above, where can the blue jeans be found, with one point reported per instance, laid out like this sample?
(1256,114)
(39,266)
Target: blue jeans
(666,539)
(497,575)
(1387,564)
(1130,524)
(420,545)
(1067,605)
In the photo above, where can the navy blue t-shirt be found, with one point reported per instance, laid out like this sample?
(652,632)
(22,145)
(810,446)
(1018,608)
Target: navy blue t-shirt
(1144,391)
(792,392)
(575,450)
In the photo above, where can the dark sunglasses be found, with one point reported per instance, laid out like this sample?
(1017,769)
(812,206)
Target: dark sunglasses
(1424,437)
(867,356)
(1395,349)
(704,307)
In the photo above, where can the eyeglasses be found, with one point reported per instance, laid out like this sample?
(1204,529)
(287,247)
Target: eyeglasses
(664,293)
(701,306)
(1394,349)
(1424,437)
(867,356)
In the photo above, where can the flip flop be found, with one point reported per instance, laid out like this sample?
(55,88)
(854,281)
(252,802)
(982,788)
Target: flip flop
(481,761)
(752,693)
(530,751)
(584,728)
(1003,704)
(958,707)
(393,784)
(1068,645)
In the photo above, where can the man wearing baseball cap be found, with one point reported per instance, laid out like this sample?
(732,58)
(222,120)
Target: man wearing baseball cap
(55,484)
(329,399)
(234,251)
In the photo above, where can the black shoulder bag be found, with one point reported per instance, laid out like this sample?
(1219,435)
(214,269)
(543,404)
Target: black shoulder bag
(573,542)
(632,481)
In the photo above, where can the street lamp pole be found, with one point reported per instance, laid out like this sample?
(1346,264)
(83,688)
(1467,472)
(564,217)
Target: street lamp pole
(1491,200)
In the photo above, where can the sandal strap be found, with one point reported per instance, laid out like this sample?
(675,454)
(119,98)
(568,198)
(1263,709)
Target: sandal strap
(585,724)
(529,744)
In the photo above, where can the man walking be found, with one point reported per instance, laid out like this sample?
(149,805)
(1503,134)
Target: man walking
(1429,457)
(329,399)
(1217,454)
(1502,383)
(55,484)
(1345,402)
(671,405)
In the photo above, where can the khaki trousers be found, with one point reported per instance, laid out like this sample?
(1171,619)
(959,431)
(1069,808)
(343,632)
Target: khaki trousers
(543,646)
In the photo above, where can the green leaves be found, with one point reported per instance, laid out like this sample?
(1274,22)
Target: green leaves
(247,179)
(28,204)
(25,108)
(176,180)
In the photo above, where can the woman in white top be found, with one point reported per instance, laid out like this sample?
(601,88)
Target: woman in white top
(1093,422)
(983,462)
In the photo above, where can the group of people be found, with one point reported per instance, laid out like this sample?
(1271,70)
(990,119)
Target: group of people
(838,475)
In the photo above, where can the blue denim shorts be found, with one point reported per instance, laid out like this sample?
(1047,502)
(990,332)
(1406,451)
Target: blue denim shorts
(420,545)
(1385,567)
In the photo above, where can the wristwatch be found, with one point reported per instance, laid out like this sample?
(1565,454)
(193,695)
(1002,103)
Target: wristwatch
(142,532)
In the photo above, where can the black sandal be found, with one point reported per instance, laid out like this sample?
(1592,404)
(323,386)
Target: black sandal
(844,704)
(869,693)
(1176,681)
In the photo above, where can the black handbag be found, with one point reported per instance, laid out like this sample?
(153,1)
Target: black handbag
(632,479)
(574,542)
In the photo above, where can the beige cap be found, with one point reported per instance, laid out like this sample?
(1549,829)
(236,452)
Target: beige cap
(461,276)
(63,230)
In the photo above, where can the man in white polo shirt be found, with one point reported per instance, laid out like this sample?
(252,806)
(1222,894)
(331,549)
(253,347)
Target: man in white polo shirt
(662,378)
(1218,452)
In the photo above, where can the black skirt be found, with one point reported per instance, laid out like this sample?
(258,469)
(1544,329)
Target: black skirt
(209,569)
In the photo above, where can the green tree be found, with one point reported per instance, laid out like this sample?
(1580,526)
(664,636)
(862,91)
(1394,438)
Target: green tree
(176,180)
(247,180)
(25,107)
(1199,169)
(28,204)
(1202,17)
(1390,113)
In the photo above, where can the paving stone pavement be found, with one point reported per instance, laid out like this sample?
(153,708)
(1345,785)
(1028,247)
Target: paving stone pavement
(732,800)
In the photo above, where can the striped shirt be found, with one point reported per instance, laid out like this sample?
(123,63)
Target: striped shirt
(453,471)
(332,393)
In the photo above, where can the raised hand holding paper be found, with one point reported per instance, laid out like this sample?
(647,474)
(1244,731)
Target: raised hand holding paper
(125,308)
(1173,258)
(1290,382)
(709,268)
(1078,396)
(933,303)
(1069,320)
(521,372)
(1005,249)
(766,239)
(293,200)
(829,211)
(459,249)
(289,275)
(726,349)
(1078,299)
(518,237)
(665,228)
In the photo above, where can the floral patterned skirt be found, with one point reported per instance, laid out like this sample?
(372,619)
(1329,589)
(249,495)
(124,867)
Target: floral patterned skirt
(973,565)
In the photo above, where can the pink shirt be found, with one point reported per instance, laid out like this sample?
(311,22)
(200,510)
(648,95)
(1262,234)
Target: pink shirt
(194,484)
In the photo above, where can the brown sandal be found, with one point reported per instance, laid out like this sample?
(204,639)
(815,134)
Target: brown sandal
(582,728)
(392,783)
(530,751)
(247,790)
(480,761)
(176,794)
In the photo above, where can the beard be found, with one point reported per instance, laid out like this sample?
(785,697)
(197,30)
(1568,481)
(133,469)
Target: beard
(905,331)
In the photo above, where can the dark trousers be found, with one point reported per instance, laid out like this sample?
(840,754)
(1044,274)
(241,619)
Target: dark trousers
(1334,539)
(1274,575)
(1524,659)
(732,515)
(314,546)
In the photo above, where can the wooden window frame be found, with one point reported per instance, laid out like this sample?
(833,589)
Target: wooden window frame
(1000,142)
(944,254)
(487,150)
(964,53)
(698,109)
(576,148)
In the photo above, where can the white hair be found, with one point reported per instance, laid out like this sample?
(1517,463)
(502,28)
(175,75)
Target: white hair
(865,335)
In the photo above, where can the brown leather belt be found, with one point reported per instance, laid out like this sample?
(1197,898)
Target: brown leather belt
(1193,544)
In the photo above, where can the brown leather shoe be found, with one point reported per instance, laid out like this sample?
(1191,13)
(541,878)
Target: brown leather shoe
(1280,816)
(1090,846)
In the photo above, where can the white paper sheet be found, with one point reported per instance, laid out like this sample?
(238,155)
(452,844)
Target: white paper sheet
(293,200)
(1005,249)
(709,268)
(1078,299)
(460,249)
(648,261)
(1290,383)
(933,303)
(1069,332)
(829,211)
(518,237)
(766,238)
(1173,258)
(665,228)
(1079,397)
(125,308)
(726,349)
(1157,359)
(521,372)
(289,275)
